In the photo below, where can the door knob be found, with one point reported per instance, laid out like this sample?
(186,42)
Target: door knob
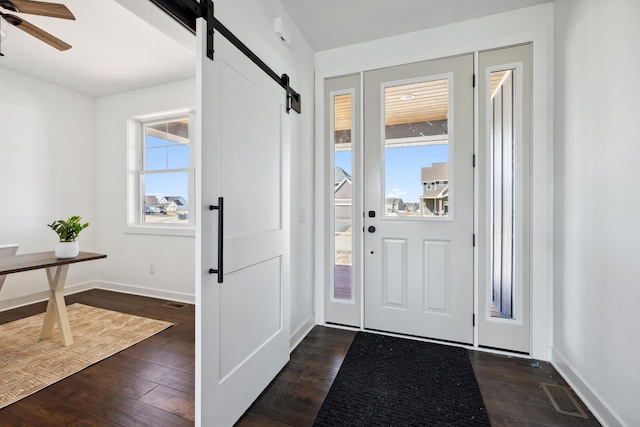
(371,229)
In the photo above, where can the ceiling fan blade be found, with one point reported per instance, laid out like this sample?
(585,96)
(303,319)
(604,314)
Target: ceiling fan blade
(36,32)
(54,10)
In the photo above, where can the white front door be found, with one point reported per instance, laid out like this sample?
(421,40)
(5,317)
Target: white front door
(242,329)
(418,201)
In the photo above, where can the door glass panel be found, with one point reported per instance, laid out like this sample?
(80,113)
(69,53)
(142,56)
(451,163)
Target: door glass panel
(416,149)
(343,196)
(502,194)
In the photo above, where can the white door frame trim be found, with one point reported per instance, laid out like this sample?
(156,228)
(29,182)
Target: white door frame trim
(531,25)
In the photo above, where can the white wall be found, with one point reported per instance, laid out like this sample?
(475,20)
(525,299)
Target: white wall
(47,171)
(129,255)
(534,24)
(596,316)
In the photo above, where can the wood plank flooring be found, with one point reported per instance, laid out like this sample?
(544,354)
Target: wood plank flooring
(152,383)
(511,387)
(149,384)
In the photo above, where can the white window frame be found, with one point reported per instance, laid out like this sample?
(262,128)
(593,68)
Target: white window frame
(135,162)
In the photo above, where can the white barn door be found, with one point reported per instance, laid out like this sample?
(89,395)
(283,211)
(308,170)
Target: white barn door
(242,331)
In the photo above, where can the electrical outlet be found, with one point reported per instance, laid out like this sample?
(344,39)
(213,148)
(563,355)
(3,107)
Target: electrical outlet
(152,269)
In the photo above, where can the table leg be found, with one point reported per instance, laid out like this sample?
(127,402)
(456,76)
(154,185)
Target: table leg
(56,307)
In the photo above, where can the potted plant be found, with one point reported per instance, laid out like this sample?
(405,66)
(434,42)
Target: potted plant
(68,231)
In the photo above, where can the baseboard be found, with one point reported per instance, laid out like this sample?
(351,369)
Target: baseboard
(146,292)
(304,329)
(43,296)
(594,402)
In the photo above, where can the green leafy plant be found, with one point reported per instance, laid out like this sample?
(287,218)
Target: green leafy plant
(68,229)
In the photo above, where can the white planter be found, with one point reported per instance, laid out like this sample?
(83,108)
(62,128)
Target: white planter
(67,249)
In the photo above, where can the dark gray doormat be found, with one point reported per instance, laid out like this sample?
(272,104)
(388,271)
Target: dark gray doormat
(388,381)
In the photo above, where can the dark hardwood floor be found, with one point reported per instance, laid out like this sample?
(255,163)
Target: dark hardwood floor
(149,384)
(152,383)
(511,387)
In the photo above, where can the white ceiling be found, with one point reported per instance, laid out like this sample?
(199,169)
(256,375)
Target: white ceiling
(328,24)
(115,51)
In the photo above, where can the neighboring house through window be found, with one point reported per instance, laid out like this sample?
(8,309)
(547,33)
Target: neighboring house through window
(161,173)
(435,197)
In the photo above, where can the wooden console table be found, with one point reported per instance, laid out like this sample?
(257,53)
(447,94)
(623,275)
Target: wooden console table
(56,275)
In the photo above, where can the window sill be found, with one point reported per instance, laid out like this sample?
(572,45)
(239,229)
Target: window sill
(161,231)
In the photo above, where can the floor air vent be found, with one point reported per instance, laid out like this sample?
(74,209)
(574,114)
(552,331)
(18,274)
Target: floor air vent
(176,305)
(563,400)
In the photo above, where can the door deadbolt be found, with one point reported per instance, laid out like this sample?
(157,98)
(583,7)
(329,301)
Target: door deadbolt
(371,229)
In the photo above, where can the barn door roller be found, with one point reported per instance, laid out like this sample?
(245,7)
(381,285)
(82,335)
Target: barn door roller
(186,12)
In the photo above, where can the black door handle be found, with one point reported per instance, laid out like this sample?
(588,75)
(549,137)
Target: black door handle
(220,209)
(371,229)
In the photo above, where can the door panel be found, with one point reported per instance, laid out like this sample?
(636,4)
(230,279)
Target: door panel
(250,153)
(437,285)
(394,285)
(242,326)
(419,182)
(504,159)
(236,309)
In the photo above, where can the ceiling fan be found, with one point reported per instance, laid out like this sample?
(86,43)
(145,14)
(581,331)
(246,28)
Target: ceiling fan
(53,10)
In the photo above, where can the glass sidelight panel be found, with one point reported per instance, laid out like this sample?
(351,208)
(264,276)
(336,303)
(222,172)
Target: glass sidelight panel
(416,149)
(503,170)
(343,196)
(502,194)
(342,189)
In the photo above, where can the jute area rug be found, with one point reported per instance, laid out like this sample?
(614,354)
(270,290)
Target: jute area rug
(28,364)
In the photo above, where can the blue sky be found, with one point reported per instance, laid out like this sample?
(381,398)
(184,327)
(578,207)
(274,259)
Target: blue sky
(163,154)
(403,165)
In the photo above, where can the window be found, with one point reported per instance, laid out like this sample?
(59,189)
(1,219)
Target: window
(342,110)
(503,196)
(161,173)
(416,147)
